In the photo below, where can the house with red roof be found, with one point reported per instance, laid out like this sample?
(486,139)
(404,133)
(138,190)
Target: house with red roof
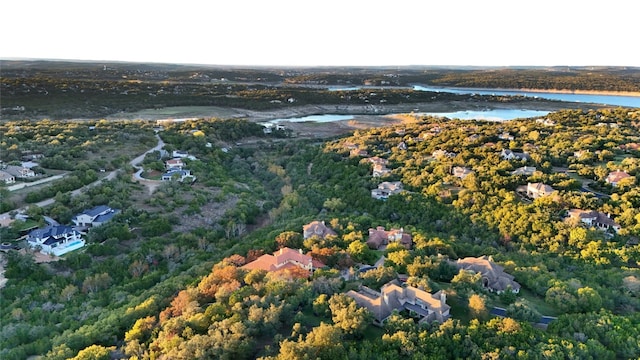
(615,177)
(284,259)
(379,236)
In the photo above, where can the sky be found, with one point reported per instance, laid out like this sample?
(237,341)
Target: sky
(326,32)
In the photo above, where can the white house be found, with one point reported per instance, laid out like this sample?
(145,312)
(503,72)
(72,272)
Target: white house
(7,178)
(536,190)
(594,219)
(95,216)
(525,170)
(180,175)
(174,164)
(511,155)
(56,240)
(386,189)
(461,172)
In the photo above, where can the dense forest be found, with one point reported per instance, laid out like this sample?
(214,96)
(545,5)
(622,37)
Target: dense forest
(164,279)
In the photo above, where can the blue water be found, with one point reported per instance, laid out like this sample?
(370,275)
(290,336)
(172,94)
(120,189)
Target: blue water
(490,115)
(314,118)
(613,100)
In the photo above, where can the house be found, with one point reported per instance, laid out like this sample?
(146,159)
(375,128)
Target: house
(505,136)
(461,172)
(594,219)
(180,175)
(174,164)
(7,178)
(376,160)
(317,228)
(473,138)
(507,154)
(493,276)
(402,146)
(20,171)
(284,259)
(380,170)
(386,189)
(546,122)
(536,190)
(358,152)
(525,170)
(95,216)
(379,236)
(580,153)
(395,297)
(55,239)
(615,177)
(179,154)
(630,146)
(442,153)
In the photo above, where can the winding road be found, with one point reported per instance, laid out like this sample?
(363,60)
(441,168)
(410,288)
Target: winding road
(109,176)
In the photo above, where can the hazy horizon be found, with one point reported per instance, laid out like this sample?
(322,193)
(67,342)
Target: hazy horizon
(496,33)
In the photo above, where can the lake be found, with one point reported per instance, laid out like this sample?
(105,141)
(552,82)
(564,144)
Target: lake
(613,100)
(490,115)
(313,118)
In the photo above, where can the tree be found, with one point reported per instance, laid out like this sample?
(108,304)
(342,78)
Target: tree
(477,306)
(95,352)
(348,316)
(290,239)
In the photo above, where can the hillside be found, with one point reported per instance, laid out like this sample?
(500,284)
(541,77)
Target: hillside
(165,279)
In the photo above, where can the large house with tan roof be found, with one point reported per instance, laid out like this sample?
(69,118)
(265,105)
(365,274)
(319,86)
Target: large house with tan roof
(317,228)
(395,297)
(615,177)
(595,219)
(536,190)
(493,276)
(284,259)
(379,236)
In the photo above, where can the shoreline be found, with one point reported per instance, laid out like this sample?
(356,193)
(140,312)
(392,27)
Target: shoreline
(580,92)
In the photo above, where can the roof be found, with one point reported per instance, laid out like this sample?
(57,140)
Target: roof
(51,231)
(393,296)
(317,228)
(540,188)
(594,216)
(379,236)
(615,176)
(282,259)
(100,209)
(105,217)
(496,278)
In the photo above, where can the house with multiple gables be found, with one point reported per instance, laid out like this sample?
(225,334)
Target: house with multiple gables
(594,219)
(493,276)
(318,229)
(396,297)
(379,237)
(7,178)
(20,171)
(174,164)
(386,189)
(285,259)
(55,239)
(95,216)
(461,172)
(524,170)
(615,177)
(536,190)
(507,154)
